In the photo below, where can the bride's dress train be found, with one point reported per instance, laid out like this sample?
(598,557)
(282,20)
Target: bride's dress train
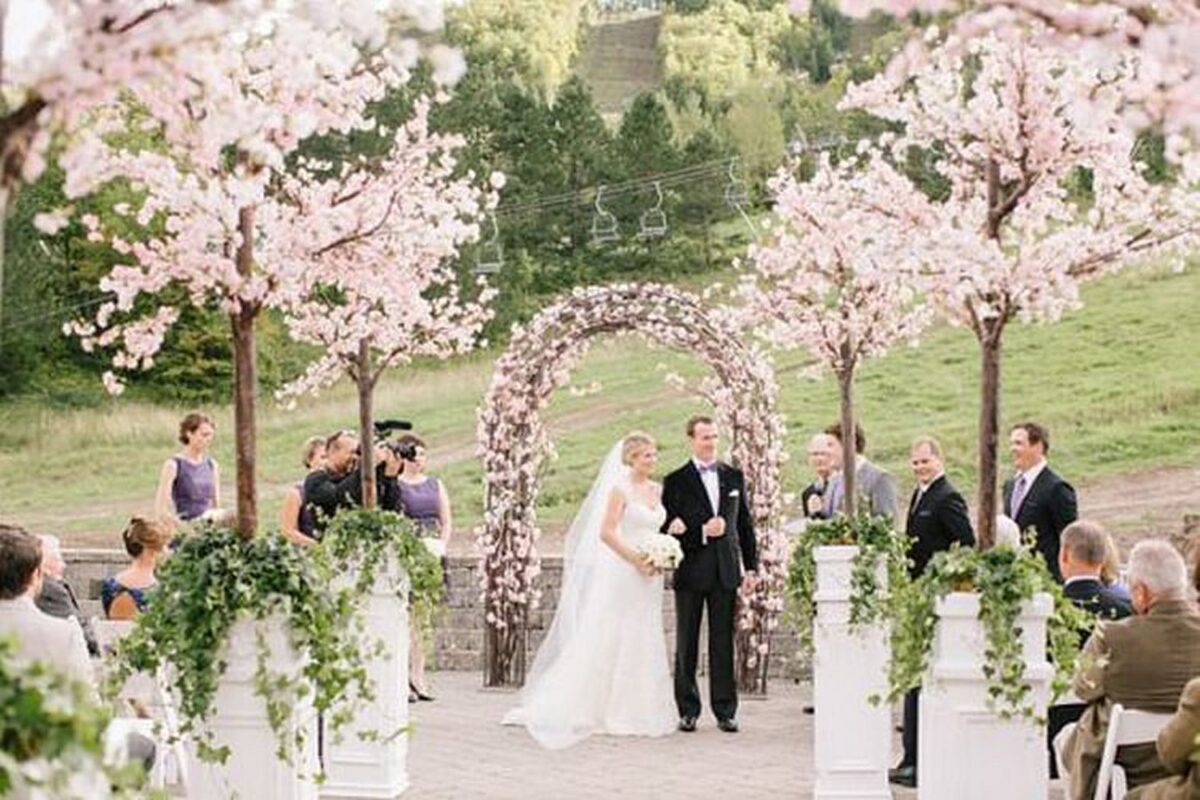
(603,665)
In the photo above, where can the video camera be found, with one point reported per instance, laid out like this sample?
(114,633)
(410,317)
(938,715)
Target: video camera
(384,428)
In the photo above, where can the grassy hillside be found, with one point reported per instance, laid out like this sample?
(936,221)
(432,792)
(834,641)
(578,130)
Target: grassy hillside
(1118,383)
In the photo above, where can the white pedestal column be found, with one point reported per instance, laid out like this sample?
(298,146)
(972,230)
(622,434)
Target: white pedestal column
(239,721)
(853,738)
(966,750)
(376,769)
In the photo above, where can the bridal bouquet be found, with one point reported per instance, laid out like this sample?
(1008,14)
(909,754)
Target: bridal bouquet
(664,552)
(435,546)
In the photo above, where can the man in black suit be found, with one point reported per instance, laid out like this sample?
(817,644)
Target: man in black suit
(56,597)
(937,519)
(719,552)
(1080,559)
(1036,497)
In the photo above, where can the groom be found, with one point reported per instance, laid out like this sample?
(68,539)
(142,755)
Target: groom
(708,509)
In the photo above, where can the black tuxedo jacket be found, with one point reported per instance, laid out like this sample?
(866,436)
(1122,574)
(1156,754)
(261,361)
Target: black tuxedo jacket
(1093,596)
(714,564)
(1049,506)
(935,523)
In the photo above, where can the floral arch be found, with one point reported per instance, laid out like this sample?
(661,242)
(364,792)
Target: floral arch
(513,442)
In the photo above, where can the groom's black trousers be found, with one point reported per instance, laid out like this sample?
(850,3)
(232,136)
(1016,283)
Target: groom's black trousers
(689,606)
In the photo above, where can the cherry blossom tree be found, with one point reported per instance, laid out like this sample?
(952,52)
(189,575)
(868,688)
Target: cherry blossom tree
(1159,36)
(377,241)
(214,228)
(839,274)
(1011,120)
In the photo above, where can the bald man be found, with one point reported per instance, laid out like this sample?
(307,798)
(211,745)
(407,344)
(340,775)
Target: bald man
(821,460)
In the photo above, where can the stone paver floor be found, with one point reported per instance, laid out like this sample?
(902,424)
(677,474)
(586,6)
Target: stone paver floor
(459,750)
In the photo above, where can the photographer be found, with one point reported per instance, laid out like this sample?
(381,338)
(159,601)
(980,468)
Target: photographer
(339,484)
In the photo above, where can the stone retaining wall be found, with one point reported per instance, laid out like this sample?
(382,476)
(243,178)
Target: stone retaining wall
(458,636)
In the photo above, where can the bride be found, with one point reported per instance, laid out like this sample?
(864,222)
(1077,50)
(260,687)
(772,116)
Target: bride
(602,667)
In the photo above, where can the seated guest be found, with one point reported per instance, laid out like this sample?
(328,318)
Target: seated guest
(1176,744)
(1007,533)
(296,521)
(1110,573)
(57,598)
(1081,556)
(38,636)
(124,595)
(1142,662)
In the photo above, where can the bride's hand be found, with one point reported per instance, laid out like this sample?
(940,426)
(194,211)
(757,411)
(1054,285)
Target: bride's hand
(677,527)
(646,567)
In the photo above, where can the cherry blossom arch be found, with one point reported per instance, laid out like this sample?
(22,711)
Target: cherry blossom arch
(513,443)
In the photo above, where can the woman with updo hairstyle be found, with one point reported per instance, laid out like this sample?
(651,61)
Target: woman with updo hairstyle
(125,595)
(296,520)
(189,483)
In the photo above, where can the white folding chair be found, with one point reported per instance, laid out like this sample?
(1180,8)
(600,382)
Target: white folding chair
(1125,727)
(110,631)
(170,757)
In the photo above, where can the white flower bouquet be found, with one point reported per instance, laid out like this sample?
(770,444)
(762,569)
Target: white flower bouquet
(435,546)
(664,552)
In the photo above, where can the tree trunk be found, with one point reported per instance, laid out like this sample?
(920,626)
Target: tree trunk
(4,193)
(989,431)
(366,424)
(245,385)
(849,487)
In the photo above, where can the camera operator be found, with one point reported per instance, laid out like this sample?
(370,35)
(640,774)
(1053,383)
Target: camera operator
(339,484)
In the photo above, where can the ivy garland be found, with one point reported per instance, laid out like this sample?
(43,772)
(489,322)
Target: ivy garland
(52,737)
(214,579)
(1005,579)
(878,543)
(365,540)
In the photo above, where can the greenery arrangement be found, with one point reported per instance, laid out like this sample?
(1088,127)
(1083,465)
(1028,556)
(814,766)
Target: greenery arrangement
(215,578)
(52,736)
(1005,579)
(363,541)
(878,542)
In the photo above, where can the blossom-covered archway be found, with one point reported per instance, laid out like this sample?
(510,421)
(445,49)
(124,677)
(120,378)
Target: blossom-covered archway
(513,443)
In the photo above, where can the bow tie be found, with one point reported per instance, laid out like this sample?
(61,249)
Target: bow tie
(707,467)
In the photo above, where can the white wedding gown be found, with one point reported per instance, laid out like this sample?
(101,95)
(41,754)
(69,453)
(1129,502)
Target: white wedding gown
(603,668)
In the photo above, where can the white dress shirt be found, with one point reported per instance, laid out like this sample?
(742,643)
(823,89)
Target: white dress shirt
(712,487)
(1030,475)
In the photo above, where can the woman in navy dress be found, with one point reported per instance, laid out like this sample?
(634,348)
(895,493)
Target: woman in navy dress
(423,499)
(126,594)
(296,520)
(189,483)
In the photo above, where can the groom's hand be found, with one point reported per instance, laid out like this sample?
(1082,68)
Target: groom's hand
(677,527)
(714,528)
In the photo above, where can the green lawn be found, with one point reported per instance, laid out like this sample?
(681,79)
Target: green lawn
(1118,382)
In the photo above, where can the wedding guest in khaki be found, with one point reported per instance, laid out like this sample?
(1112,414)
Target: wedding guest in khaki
(1176,743)
(1142,662)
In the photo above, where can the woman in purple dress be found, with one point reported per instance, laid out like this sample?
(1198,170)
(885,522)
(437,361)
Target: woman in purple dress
(189,483)
(423,499)
(296,520)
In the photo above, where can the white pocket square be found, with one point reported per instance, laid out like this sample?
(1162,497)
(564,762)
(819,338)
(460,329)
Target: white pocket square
(734,493)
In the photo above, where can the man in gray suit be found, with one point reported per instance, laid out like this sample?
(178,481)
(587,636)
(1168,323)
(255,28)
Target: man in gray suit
(874,484)
(57,598)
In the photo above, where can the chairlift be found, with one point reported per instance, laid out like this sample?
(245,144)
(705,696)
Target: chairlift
(490,258)
(736,195)
(654,220)
(604,224)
